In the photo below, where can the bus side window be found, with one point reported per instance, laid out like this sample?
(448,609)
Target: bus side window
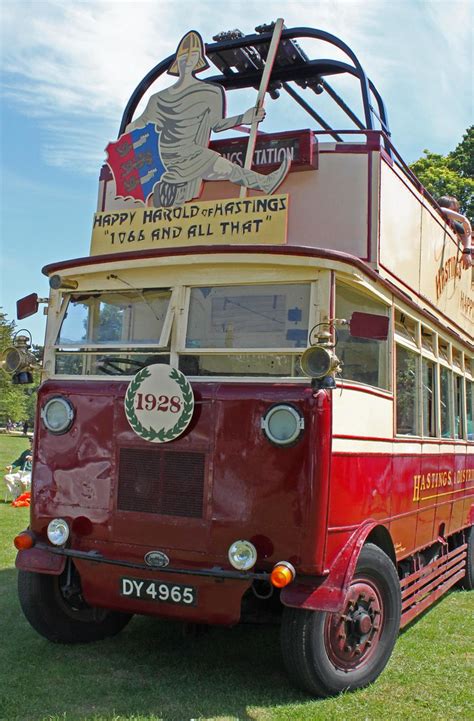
(429,397)
(446,399)
(458,406)
(407,382)
(469,414)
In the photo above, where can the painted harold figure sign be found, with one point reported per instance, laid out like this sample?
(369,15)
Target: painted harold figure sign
(163,157)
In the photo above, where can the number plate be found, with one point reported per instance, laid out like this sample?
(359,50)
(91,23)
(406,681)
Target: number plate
(158,591)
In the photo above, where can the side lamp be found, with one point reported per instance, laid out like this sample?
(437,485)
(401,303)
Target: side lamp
(320,362)
(18,360)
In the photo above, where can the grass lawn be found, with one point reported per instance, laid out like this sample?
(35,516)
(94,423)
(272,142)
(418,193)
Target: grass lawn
(152,671)
(10,448)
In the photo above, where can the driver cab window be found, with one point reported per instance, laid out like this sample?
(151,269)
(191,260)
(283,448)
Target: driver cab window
(114,318)
(364,360)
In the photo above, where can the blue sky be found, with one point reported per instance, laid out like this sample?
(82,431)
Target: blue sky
(68,68)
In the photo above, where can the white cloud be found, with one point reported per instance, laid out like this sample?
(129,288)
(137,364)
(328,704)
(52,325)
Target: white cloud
(73,66)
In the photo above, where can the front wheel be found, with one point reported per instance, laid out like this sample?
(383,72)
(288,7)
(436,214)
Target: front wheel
(55,608)
(326,653)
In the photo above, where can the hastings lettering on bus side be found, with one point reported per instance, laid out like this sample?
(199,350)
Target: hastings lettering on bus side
(440,479)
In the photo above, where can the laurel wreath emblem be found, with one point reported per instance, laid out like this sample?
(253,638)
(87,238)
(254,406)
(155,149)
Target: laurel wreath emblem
(150,434)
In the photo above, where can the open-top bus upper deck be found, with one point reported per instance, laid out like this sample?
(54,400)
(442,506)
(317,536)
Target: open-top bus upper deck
(348,198)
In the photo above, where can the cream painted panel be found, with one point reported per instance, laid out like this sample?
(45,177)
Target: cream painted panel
(400,228)
(349,445)
(199,274)
(362,414)
(328,206)
(443,280)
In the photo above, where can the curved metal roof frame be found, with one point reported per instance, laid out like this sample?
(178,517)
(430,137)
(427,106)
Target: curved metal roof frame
(302,71)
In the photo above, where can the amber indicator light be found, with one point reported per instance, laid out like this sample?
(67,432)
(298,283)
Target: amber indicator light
(283,574)
(24,541)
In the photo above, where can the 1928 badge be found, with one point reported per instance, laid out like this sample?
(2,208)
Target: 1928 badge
(159,403)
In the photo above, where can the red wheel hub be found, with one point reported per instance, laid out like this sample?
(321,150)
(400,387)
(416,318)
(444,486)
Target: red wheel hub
(352,637)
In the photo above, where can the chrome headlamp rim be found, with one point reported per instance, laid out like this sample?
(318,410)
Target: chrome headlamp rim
(55,527)
(69,415)
(242,545)
(294,412)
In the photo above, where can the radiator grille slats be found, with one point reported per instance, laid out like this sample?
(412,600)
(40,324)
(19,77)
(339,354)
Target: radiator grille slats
(163,482)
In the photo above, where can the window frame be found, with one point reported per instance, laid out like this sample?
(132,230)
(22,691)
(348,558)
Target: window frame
(115,345)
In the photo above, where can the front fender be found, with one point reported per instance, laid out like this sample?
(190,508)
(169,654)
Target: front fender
(40,561)
(328,593)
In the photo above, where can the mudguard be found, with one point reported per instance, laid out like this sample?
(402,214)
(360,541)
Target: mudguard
(328,593)
(40,561)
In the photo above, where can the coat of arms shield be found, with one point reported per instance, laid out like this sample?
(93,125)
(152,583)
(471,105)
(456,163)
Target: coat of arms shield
(135,162)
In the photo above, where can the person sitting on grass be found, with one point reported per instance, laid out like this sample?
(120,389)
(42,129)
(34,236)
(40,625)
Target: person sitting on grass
(19,480)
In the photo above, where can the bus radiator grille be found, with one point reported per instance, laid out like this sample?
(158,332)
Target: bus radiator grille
(162,482)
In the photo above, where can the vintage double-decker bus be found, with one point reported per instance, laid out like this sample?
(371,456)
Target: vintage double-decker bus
(258,388)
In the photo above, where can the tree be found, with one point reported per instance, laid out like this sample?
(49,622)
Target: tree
(451,174)
(462,157)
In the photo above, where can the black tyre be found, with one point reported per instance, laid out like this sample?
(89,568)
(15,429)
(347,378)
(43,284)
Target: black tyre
(54,607)
(326,653)
(468,581)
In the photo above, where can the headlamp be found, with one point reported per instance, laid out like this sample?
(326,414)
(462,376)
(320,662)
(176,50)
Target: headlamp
(58,531)
(282,424)
(242,555)
(57,415)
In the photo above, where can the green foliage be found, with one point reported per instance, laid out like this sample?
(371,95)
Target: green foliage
(451,174)
(462,157)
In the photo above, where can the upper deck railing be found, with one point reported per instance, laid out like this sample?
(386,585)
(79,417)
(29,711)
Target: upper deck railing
(241,59)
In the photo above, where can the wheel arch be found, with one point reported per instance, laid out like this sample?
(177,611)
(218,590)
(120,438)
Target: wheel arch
(381,537)
(328,593)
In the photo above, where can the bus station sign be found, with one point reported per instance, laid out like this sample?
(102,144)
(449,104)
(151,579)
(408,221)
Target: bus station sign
(300,147)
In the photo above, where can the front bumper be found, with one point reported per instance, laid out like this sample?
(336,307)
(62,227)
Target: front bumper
(96,557)
(219,591)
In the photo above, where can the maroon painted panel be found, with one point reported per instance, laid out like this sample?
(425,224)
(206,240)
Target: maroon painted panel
(270,149)
(218,603)
(277,497)
(35,559)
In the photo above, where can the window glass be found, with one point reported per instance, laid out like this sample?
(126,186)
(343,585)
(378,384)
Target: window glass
(427,339)
(469,413)
(443,348)
(115,363)
(446,398)
(406,326)
(429,398)
(242,364)
(266,316)
(457,359)
(115,318)
(407,391)
(365,361)
(458,406)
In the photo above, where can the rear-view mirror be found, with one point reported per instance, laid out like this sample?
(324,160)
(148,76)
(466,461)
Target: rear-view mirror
(27,306)
(369,325)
